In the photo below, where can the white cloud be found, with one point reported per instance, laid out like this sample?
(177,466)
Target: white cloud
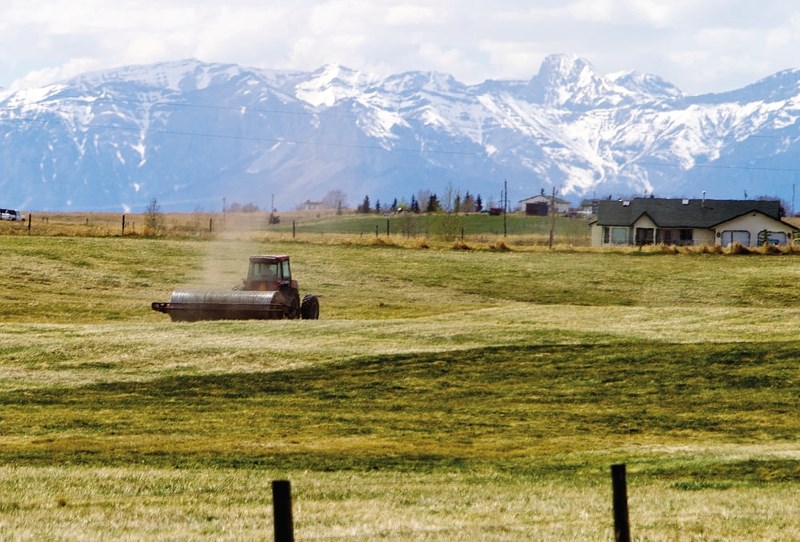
(700,45)
(411,15)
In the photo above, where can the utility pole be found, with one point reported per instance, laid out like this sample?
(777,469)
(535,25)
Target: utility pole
(552,217)
(505,208)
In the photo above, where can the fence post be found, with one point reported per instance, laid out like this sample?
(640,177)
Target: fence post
(211,225)
(123,225)
(621,524)
(282,510)
(387,228)
(30,220)
(294,229)
(376,230)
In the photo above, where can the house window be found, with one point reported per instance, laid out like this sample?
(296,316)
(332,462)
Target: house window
(684,237)
(615,235)
(645,236)
(729,237)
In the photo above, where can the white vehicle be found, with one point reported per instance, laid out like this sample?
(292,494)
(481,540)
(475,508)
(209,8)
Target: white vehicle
(11,214)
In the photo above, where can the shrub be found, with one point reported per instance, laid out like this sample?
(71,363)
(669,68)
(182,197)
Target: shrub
(499,246)
(738,248)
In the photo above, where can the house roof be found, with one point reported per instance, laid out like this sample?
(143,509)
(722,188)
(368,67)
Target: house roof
(677,213)
(544,197)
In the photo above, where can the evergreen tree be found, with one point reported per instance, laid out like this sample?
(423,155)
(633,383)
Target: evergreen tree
(378,206)
(433,204)
(364,207)
(478,203)
(414,205)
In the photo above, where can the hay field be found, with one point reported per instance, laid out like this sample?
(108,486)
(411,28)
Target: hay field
(443,395)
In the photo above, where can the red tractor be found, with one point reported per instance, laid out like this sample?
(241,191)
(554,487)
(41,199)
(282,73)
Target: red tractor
(268,292)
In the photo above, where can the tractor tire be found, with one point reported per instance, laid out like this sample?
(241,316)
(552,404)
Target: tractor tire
(293,309)
(309,308)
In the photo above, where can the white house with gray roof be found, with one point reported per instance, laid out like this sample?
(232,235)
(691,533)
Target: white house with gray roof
(689,222)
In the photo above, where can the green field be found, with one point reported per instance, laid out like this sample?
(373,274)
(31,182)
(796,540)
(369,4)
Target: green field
(476,228)
(443,395)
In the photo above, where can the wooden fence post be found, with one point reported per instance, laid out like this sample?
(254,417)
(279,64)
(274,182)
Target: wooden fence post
(30,219)
(387,228)
(282,510)
(123,225)
(621,524)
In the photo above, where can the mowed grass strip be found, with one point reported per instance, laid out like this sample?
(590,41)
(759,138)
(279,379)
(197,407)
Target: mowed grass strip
(92,280)
(522,408)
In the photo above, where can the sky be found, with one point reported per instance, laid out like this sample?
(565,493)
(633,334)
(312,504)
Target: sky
(698,45)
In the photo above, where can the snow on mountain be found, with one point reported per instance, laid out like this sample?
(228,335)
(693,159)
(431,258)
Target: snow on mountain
(191,133)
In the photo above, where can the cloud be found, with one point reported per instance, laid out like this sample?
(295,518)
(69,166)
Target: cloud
(700,45)
(411,15)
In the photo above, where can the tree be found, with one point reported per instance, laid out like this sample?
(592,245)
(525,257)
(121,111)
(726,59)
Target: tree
(414,206)
(365,206)
(451,200)
(378,206)
(153,219)
(478,203)
(468,204)
(335,199)
(433,205)
(423,197)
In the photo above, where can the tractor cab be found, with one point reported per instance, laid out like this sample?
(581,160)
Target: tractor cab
(268,273)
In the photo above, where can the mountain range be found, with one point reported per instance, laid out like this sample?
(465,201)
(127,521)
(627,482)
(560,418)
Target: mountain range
(193,135)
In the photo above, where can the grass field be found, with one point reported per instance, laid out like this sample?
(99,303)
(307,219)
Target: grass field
(474,228)
(443,395)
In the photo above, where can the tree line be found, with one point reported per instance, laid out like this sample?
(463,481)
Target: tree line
(429,204)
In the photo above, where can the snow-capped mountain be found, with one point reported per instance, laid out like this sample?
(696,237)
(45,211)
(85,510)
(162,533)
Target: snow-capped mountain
(190,134)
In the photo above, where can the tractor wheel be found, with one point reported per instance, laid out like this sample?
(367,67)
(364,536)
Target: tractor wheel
(309,309)
(293,310)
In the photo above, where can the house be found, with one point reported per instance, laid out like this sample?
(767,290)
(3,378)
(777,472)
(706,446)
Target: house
(587,207)
(540,205)
(647,221)
(309,205)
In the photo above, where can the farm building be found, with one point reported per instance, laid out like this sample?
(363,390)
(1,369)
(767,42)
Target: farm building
(647,221)
(540,205)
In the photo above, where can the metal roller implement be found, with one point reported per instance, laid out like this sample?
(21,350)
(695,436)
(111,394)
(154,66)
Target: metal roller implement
(267,293)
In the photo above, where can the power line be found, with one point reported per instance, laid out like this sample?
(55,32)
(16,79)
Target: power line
(720,166)
(278,140)
(271,140)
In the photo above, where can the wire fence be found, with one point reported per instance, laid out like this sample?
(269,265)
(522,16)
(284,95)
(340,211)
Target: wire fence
(408,228)
(283,517)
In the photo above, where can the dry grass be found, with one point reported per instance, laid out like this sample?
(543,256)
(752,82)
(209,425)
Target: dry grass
(445,394)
